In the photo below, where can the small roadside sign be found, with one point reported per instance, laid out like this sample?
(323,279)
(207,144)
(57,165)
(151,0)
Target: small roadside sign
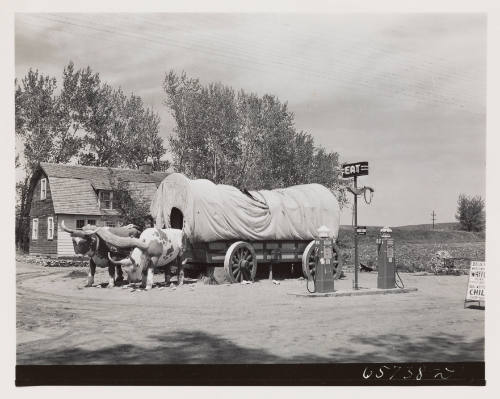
(476,284)
(361,230)
(354,169)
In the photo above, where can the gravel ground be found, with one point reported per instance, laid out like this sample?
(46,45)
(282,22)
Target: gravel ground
(60,322)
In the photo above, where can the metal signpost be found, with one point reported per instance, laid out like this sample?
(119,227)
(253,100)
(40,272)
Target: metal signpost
(354,170)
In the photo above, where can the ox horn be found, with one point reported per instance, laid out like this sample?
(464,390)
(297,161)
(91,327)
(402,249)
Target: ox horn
(66,229)
(123,242)
(123,262)
(78,233)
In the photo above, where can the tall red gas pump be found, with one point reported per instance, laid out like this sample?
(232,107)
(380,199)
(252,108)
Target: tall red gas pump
(326,267)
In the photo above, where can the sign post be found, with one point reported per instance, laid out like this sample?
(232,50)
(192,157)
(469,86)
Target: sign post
(354,170)
(476,284)
(356,257)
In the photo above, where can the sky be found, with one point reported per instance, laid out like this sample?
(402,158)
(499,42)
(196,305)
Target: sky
(405,92)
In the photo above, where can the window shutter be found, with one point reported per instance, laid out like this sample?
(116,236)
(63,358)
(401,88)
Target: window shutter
(43,189)
(50,228)
(34,233)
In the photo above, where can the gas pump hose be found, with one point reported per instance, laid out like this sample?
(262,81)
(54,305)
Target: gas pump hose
(398,277)
(313,278)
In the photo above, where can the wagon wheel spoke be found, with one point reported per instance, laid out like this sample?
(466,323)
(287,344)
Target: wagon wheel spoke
(235,268)
(312,262)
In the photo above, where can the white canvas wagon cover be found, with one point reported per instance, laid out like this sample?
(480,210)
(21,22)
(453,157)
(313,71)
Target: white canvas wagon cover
(215,212)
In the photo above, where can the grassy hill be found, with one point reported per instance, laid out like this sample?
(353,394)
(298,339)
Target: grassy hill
(417,234)
(416,245)
(437,226)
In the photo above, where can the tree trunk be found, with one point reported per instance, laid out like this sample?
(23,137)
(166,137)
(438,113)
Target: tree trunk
(22,222)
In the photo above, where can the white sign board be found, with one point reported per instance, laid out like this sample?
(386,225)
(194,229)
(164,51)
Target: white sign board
(476,285)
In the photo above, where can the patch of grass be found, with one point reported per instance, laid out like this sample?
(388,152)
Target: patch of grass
(407,235)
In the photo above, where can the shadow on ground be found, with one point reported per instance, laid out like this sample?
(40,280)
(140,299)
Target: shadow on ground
(202,348)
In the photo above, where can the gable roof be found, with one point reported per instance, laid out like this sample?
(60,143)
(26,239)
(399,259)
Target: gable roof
(73,196)
(73,187)
(101,178)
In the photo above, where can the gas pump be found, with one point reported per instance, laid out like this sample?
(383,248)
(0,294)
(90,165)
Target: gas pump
(323,274)
(386,261)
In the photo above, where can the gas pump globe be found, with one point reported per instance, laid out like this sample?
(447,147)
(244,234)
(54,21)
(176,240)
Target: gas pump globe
(386,261)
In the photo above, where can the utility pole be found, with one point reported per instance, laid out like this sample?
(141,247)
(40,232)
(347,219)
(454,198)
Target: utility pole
(433,214)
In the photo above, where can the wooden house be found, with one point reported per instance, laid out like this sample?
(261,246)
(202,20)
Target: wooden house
(80,195)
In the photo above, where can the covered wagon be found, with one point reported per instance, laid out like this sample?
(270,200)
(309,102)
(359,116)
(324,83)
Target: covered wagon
(240,229)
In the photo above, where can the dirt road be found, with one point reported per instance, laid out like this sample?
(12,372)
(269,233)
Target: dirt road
(60,322)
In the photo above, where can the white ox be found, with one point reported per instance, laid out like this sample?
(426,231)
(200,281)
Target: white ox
(154,248)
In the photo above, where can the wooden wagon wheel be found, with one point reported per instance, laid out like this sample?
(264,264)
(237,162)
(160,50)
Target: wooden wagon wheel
(240,262)
(309,258)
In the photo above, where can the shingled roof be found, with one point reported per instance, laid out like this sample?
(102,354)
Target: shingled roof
(99,177)
(74,187)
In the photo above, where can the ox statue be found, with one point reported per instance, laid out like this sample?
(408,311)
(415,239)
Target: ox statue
(155,248)
(91,242)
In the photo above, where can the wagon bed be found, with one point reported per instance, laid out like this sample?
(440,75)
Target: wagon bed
(240,258)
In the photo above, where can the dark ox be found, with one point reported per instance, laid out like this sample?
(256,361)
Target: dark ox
(89,242)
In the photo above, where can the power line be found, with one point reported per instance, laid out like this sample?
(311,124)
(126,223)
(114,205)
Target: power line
(239,58)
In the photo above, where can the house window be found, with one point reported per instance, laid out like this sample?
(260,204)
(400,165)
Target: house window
(34,233)
(106,199)
(110,224)
(43,189)
(81,222)
(50,228)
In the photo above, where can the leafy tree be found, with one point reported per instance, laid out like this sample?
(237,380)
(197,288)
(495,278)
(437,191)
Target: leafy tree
(133,209)
(470,213)
(205,140)
(243,139)
(188,143)
(88,120)
(43,125)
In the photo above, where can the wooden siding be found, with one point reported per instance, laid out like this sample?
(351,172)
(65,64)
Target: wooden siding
(42,209)
(42,245)
(64,244)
